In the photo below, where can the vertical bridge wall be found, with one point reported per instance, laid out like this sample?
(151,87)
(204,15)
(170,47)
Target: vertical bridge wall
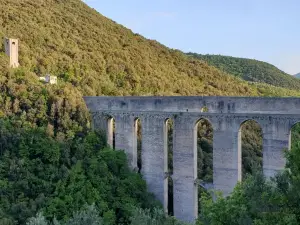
(276,117)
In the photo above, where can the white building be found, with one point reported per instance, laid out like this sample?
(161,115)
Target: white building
(49,79)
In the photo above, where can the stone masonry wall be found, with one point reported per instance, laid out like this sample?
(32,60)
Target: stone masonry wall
(276,117)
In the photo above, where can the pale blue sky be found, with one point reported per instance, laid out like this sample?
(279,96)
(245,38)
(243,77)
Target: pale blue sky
(267,30)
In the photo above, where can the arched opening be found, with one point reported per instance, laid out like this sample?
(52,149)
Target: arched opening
(250,145)
(111,127)
(294,137)
(204,152)
(138,142)
(169,124)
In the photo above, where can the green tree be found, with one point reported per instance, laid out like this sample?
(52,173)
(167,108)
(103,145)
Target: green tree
(41,174)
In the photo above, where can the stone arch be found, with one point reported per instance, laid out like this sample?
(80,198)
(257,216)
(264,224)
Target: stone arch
(250,138)
(168,165)
(203,150)
(137,143)
(294,133)
(204,142)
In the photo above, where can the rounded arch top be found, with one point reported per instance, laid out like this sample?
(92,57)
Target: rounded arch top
(137,118)
(169,119)
(293,123)
(204,109)
(110,117)
(250,120)
(198,120)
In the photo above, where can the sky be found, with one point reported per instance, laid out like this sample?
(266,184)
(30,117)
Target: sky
(266,30)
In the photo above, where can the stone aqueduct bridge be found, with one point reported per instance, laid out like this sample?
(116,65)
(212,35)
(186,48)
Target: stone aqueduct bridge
(276,117)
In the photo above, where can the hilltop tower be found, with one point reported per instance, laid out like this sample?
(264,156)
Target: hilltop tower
(12,50)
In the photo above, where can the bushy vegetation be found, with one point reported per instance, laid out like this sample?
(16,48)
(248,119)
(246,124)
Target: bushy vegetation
(50,164)
(259,201)
(251,70)
(255,201)
(90,216)
(39,173)
(59,108)
(100,57)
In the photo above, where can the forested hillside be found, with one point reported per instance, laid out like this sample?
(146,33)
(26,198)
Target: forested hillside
(251,70)
(100,57)
(41,174)
(54,169)
(92,55)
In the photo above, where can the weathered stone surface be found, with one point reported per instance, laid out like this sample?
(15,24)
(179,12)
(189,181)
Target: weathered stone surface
(125,136)
(215,104)
(185,169)
(276,117)
(11,47)
(154,156)
(104,122)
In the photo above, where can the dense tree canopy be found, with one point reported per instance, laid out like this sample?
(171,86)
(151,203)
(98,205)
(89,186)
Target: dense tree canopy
(251,70)
(38,172)
(49,160)
(260,201)
(255,201)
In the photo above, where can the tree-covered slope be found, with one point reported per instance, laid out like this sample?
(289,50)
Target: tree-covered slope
(41,174)
(251,70)
(92,55)
(98,56)
(69,39)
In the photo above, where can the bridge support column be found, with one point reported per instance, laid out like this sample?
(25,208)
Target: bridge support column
(154,156)
(185,169)
(226,155)
(275,140)
(104,123)
(125,138)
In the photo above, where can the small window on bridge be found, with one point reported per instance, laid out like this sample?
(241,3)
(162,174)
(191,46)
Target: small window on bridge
(204,109)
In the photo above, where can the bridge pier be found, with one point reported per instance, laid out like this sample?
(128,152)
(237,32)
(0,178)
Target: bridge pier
(125,137)
(276,138)
(102,122)
(185,169)
(154,156)
(226,155)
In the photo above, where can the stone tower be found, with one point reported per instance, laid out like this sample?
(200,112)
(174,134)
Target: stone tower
(12,50)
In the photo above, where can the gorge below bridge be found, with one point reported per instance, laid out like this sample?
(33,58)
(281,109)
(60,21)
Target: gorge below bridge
(276,116)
